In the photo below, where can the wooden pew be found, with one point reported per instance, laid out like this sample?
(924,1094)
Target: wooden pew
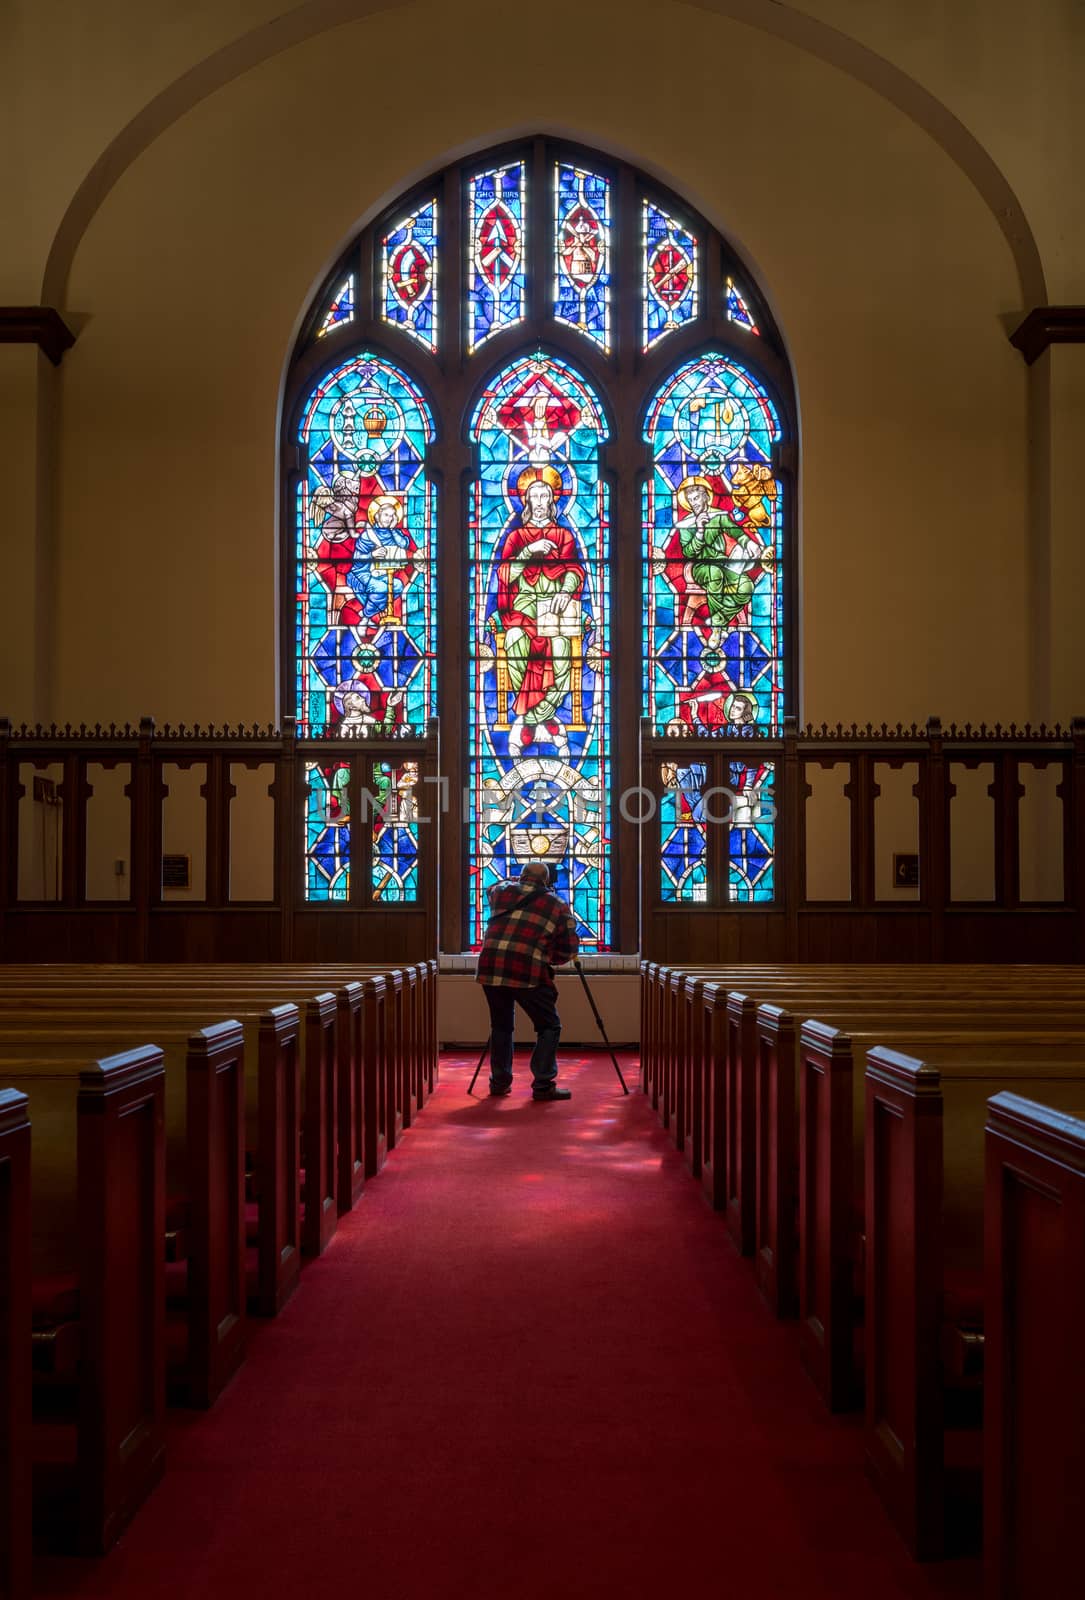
(15,1376)
(681,1078)
(278,1160)
(399,1030)
(832,1170)
(662,1035)
(73,1034)
(95,1465)
(924,1258)
(215,1268)
(206,1287)
(1034,1379)
(748,1070)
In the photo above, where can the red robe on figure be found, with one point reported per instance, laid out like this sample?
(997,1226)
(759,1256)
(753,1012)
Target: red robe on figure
(563,559)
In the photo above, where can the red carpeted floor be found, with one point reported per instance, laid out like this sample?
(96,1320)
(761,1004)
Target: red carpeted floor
(530,1365)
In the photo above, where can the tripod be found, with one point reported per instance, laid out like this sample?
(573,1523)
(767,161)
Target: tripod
(599,1021)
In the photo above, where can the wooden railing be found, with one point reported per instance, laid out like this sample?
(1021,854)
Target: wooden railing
(47,867)
(924,920)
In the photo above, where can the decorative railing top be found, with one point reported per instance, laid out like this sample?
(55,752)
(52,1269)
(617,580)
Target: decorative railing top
(873,734)
(113,733)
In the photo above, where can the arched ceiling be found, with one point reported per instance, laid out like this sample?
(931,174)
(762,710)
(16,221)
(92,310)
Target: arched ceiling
(772,17)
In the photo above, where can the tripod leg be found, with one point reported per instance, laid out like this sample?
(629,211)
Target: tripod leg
(478,1068)
(602,1030)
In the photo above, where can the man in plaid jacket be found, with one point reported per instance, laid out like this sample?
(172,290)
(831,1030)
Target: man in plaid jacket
(530,932)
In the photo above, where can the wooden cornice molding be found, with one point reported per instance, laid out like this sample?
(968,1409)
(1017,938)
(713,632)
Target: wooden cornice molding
(1046,325)
(40,325)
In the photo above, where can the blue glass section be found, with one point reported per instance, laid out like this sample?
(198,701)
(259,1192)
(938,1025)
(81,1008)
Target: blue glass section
(670,274)
(395,832)
(582,252)
(496,278)
(539,659)
(737,309)
(752,859)
(409,276)
(327,831)
(683,844)
(341,308)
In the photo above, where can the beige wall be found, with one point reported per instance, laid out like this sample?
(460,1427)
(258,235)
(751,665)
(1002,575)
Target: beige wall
(462,1017)
(941,482)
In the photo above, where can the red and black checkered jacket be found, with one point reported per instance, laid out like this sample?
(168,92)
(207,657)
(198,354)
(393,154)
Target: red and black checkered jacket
(530,932)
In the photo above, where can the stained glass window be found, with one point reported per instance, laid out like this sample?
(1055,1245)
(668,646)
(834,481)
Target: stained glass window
(539,715)
(366,516)
(327,830)
(409,275)
(670,286)
(496,275)
(684,874)
(534,587)
(713,631)
(737,309)
(582,252)
(394,789)
(341,308)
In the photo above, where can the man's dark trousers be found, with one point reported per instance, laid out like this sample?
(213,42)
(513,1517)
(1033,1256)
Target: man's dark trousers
(541,1006)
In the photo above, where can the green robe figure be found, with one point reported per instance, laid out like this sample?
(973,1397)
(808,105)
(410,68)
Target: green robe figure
(721,556)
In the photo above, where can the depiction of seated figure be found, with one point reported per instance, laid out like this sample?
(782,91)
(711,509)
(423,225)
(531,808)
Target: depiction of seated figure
(382,558)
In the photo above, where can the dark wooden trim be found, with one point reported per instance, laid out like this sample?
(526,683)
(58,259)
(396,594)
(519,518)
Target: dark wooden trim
(40,325)
(1048,325)
(15,1371)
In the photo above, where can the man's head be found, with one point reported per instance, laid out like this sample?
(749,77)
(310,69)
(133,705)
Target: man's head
(536,872)
(540,503)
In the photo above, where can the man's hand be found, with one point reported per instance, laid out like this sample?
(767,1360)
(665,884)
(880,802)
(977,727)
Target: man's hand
(560,603)
(541,547)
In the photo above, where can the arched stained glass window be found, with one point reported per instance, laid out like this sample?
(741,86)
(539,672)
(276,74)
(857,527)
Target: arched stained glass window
(365,643)
(714,641)
(538,556)
(575,375)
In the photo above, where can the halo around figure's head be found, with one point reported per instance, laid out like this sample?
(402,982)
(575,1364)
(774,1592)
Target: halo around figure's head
(530,475)
(378,502)
(744,703)
(682,492)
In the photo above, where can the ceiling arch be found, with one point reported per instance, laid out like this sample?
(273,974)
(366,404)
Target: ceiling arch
(307,20)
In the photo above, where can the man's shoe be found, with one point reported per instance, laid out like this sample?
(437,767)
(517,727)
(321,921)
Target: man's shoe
(507,1089)
(553,1094)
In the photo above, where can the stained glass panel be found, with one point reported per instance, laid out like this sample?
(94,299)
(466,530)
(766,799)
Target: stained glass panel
(539,714)
(496,276)
(327,830)
(670,275)
(341,308)
(713,630)
(752,853)
(684,875)
(365,550)
(582,252)
(395,832)
(737,309)
(409,275)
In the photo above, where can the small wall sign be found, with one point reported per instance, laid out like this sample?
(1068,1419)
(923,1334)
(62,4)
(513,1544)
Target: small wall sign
(176,872)
(905,872)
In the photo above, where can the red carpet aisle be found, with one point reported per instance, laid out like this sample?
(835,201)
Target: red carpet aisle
(529,1366)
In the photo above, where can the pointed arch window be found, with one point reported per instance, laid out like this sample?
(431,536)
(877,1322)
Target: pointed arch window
(573,375)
